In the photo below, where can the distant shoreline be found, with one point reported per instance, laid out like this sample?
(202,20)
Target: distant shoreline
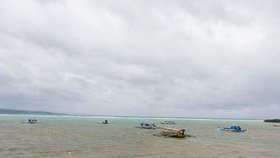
(135,117)
(27,112)
(272,120)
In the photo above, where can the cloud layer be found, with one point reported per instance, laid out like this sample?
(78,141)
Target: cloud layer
(155,58)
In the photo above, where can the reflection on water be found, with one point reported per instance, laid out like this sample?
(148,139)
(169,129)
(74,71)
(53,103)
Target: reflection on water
(86,137)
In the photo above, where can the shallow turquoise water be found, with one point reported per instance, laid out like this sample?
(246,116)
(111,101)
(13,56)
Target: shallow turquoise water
(85,136)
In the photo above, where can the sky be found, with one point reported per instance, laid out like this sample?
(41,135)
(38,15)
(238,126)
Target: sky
(181,58)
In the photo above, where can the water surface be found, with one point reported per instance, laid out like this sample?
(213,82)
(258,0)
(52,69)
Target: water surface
(85,136)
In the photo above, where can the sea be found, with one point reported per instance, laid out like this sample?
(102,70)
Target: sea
(86,137)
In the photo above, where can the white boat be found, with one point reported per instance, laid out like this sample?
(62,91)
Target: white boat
(168,122)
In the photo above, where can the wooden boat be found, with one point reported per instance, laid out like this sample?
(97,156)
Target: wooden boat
(172,132)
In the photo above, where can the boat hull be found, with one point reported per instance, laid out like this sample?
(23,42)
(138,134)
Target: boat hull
(233,130)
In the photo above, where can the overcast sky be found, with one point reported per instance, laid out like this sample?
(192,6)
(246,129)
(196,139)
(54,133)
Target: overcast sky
(192,58)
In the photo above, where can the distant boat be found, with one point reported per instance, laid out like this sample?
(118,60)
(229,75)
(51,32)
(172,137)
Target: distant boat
(172,132)
(105,122)
(168,122)
(147,126)
(31,121)
(232,129)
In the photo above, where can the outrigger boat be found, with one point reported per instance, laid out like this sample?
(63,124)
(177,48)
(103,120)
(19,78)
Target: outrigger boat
(172,132)
(147,126)
(168,122)
(232,129)
(31,121)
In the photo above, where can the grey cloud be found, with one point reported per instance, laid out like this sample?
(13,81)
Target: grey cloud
(166,58)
